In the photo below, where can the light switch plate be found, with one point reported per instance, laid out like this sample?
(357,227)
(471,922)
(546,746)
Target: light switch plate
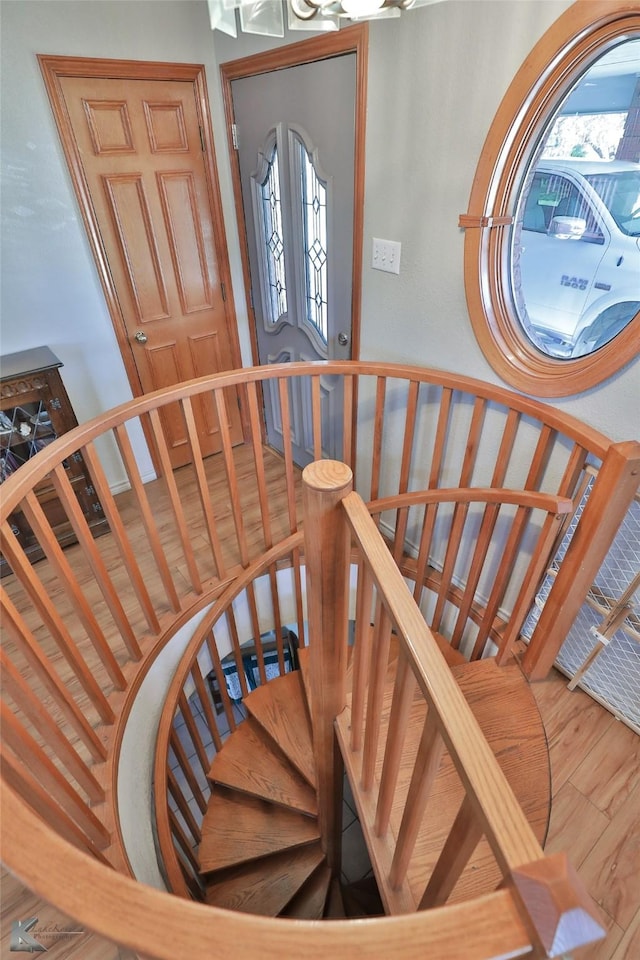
(386,255)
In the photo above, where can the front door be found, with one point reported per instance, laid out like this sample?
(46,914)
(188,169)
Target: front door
(141,149)
(295,133)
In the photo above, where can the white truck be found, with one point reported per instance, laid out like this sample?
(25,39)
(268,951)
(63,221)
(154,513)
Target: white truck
(576,254)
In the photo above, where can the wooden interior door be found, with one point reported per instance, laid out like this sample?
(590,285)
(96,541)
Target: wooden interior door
(140,167)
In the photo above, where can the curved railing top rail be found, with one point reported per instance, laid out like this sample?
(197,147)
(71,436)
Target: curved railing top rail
(37,468)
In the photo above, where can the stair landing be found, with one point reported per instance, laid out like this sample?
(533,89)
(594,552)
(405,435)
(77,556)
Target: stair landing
(504,706)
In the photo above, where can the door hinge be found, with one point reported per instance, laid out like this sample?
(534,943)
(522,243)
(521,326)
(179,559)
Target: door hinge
(202,146)
(234,135)
(224,292)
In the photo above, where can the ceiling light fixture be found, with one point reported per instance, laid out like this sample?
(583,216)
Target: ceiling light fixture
(267,17)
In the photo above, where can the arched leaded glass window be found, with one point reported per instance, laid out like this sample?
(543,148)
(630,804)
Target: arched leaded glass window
(314,228)
(272,237)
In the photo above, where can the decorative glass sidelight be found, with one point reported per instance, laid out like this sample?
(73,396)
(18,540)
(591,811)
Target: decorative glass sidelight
(314,226)
(273,240)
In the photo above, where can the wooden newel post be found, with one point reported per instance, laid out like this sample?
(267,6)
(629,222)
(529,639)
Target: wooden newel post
(560,911)
(327,555)
(613,491)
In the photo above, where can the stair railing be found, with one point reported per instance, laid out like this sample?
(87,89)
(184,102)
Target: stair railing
(83,626)
(545,891)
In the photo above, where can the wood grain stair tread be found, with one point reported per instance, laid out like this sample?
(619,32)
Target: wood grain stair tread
(280,708)
(249,762)
(310,901)
(238,828)
(268,885)
(504,706)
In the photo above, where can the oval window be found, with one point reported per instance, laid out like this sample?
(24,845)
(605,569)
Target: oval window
(552,248)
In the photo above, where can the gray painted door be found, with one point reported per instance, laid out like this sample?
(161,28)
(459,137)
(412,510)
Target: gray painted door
(295,131)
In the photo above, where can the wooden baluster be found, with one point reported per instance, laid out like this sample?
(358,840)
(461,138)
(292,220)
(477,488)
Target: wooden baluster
(405,468)
(237,653)
(462,840)
(204,494)
(377,675)
(183,806)
(25,572)
(119,533)
(185,766)
(174,498)
(361,653)
(51,779)
(212,646)
(348,415)
(403,692)
(376,461)
(316,417)
(232,477)
(428,759)
(205,702)
(40,800)
(180,836)
(426,537)
(256,439)
(440,442)
(327,554)
(501,580)
(146,515)
(530,581)
(540,459)
(483,543)
(40,525)
(454,540)
(473,442)
(194,733)
(255,626)
(292,505)
(487,526)
(610,497)
(47,675)
(94,560)
(43,722)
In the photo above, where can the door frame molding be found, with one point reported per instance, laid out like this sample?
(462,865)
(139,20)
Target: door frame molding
(53,69)
(352,39)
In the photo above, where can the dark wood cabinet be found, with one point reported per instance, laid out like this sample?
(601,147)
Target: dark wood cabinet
(34,410)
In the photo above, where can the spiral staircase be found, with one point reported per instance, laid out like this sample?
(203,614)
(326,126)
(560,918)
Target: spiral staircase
(408,602)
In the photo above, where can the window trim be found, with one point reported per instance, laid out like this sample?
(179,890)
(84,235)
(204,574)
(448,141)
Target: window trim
(579,36)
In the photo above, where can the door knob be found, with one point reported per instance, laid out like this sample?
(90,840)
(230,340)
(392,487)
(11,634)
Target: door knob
(343,339)
(140,337)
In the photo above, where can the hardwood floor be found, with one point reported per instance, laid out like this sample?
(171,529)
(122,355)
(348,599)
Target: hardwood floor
(595,812)
(595,766)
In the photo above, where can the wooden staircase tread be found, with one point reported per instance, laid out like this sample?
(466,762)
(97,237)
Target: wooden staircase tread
(250,763)
(504,706)
(279,707)
(268,885)
(309,902)
(238,828)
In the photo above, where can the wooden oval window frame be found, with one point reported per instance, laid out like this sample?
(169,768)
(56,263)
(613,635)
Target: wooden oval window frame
(579,37)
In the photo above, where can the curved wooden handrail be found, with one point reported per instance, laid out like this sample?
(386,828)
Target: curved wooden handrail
(35,469)
(164,927)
